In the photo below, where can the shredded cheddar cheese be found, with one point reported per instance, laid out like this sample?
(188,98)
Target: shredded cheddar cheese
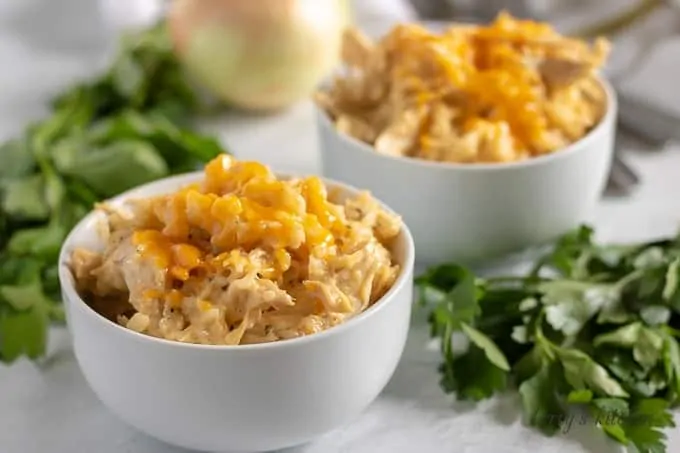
(240,205)
(509,77)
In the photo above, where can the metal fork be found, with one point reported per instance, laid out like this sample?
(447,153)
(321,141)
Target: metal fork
(622,177)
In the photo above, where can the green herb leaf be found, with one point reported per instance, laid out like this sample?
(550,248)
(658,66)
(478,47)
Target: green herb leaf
(191,144)
(571,304)
(625,336)
(102,137)
(23,332)
(128,76)
(671,358)
(475,377)
(590,324)
(23,324)
(609,414)
(119,167)
(644,423)
(582,372)
(529,364)
(671,284)
(655,315)
(580,396)
(649,258)
(651,286)
(520,334)
(541,403)
(17,159)
(647,344)
(24,199)
(18,297)
(569,252)
(461,301)
(614,406)
(492,352)
(43,242)
(19,270)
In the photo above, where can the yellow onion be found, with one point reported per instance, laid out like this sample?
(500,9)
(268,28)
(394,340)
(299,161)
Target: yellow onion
(258,54)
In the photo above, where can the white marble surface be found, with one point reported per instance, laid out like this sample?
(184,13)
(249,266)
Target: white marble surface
(48,408)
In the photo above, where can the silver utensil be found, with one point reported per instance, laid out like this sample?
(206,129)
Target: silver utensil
(622,178)
(480,10)
(649,123)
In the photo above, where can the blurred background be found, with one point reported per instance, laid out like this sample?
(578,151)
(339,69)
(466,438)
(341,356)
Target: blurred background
(47,44)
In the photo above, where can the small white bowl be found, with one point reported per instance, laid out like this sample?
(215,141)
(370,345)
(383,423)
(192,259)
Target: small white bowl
(473,213)
(258,397)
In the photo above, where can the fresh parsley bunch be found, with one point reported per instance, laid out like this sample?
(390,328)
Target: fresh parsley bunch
(592,328)
(125,128)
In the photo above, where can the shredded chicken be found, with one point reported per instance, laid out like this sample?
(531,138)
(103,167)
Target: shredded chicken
(240,258)
(500,92)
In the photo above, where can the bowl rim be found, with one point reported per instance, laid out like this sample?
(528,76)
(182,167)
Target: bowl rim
(582,144)
(71,296)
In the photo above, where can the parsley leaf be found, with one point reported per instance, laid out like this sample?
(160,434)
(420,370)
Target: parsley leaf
(671,358)
(541,404)
(493,354)
(591,325)
(571,304)
(645,342)
(582,372)
(643,426)
(23,332)
(129,126)
(473,377)
(608,413)
(459,304)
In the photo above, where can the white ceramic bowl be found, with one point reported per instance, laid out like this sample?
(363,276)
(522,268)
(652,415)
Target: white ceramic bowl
(238,398)
(471,213)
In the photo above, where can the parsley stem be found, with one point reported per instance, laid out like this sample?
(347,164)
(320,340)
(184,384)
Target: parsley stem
(628,279)
(536,270)
(672,331)
(516,279)
(546,345)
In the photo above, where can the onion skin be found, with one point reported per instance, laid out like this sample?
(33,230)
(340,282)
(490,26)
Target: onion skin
(258,54)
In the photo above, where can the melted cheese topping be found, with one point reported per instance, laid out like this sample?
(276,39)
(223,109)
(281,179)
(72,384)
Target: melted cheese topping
(504,79)
(245,257)
(240,205)
(490,65)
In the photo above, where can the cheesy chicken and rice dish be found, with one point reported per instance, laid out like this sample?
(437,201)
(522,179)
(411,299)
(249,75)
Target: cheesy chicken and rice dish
(504,92)
(240,257)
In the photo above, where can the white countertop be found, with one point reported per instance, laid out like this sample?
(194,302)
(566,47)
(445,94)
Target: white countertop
(48,408)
